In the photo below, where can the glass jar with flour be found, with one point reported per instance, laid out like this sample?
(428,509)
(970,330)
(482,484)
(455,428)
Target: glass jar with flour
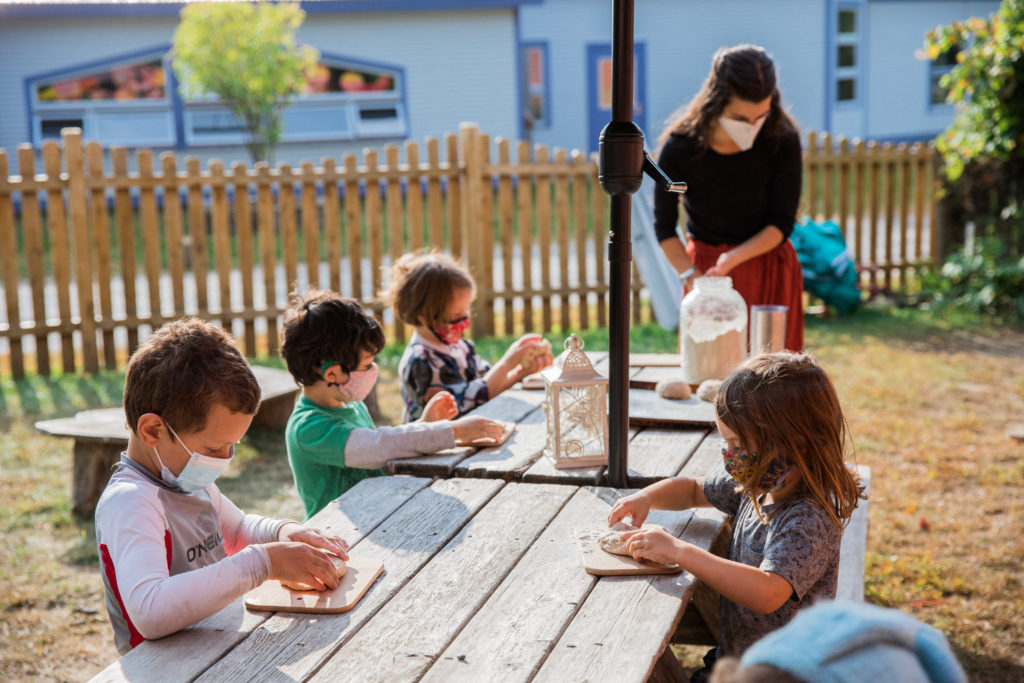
(712,329)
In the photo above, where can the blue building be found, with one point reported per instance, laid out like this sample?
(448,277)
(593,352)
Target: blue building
(393,70)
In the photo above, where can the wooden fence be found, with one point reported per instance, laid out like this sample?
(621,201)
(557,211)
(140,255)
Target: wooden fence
(93,253)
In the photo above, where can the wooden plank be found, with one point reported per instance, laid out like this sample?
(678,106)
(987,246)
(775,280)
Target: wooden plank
(415,627)
(293,646)
(655,454)
(859,170)
(332,225)
(707,458)
(853,550)
(396,241)
(512,458)
(151,241)
(454,196)
(414,196)
(246,251)
(843,219)
(828,166)
(310,226)
(579,218)
(598,213)
(485,284)
(197,232)
(646,408)
(890,202)
(515,629)
(60,257)
(9,265)
(125,220)
(811,163)
(524,215)
(101,246)
(435,204)
(31,227)
(507,233)
(221,242)
(83,246)
(266,226)
(173,231)
(543,208)
(289,230)
(374,229)
(649,376)
(354,227)
(625,623)
(904,209)
(440,464)
(562,228)
(190,652)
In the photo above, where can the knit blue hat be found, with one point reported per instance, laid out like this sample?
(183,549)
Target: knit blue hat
(843,641)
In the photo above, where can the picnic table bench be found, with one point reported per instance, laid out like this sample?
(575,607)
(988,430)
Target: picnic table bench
(482,581)
(101,435)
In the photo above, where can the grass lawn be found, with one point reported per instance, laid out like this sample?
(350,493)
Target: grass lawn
(929,400)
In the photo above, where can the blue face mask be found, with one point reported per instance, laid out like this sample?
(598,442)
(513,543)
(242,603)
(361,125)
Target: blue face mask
(199,472)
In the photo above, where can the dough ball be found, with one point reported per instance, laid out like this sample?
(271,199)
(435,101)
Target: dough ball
(530,354)
(673,387)
(611,539)
(339,567)
(708,389)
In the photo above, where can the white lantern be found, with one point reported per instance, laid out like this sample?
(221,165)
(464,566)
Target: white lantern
(575,400)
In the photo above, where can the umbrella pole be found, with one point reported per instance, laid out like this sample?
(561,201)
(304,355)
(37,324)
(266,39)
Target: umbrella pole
(620,162)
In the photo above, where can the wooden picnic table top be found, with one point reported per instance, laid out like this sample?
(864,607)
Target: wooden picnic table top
(655,452)
(482,581)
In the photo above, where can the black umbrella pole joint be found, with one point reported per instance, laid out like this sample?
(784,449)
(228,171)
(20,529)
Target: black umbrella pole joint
(621,164)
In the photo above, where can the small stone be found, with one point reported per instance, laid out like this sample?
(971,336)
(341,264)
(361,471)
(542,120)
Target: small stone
(672,387)
(1016,432)
(708,389)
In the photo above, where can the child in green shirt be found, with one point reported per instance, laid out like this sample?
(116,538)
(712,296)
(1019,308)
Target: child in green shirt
(329,344)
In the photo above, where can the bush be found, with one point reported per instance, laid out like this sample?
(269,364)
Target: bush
(983,280)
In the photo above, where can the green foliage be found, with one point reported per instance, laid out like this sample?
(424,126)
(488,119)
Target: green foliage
(245,54)
(984,280)
(983,149)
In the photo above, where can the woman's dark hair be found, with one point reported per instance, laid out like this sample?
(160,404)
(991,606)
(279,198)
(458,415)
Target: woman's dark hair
(323,326)
(743,71)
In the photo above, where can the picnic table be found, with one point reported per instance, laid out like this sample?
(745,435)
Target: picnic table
(660,445)
(482,581)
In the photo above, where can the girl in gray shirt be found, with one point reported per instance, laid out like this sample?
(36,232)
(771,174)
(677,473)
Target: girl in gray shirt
(784,481)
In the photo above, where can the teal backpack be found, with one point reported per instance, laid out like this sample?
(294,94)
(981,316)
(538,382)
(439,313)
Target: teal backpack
(829,271)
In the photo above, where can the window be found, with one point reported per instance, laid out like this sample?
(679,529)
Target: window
(847,67)
(535,68)
(939,67)
(121,101)
(340,100)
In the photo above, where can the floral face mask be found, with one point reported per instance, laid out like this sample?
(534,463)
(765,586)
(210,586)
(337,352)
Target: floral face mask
(739,465)
(451,333)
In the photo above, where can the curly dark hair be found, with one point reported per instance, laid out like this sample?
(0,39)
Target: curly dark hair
(323,326)
(183,370)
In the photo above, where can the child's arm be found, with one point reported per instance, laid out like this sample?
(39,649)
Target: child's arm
(372,448)
(667,494)
(512,366)
(751,587)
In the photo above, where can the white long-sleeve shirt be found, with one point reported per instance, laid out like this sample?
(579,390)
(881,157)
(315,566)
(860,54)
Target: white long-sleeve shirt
(170,559)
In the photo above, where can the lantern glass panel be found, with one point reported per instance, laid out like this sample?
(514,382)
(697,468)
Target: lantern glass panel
(580,425)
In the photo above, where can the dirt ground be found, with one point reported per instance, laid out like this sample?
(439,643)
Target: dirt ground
(931,411)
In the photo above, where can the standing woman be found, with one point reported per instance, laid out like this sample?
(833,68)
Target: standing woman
(739,152)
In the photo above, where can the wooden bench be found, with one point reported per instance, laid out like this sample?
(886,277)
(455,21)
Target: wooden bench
(101,435)
(700,626)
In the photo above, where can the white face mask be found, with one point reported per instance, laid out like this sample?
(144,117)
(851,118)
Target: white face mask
(199,472)
(741,132)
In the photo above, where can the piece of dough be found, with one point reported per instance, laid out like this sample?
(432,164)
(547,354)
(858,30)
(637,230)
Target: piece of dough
(708,389)
(339,566)
(531,353)
(673,387)
(611,539)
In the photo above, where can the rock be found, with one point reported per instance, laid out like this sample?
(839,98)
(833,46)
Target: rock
(673,388)
(708,389)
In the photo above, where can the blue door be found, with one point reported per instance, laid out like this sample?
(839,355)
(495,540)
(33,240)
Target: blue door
(599,89)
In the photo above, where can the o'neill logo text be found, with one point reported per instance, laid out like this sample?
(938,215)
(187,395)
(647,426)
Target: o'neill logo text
(211,542)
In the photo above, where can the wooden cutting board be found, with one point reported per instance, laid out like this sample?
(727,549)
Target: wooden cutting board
(602,563)
(271,596)
(487,443)
(647,409)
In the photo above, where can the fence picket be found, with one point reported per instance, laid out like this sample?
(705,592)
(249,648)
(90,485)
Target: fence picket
(243,231)
(524,220)
(393,204)
(414,196)
(310,225)
(150,234)
(221,240)
(598,212)
(354,226)
(435,216)
(562,226)
(579,219)
(83,245)
(373,231)
(197,231)
(289,231)
(454,196)
(9,263)
(332,225)
(507,234)
(266,227)
(173,231)
(101,243)
(828,176)
(543,227)
(124,220)
(31,226)
(890,201)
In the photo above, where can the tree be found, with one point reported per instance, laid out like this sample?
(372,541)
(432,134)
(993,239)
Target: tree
(983,149)
(245,54)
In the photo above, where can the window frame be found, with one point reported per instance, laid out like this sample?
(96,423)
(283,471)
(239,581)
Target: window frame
(935,71)
(542,47)
(847,73)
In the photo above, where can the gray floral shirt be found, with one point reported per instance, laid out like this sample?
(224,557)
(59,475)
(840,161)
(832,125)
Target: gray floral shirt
(800,543)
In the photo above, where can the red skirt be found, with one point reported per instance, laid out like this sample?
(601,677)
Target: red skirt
(774,277)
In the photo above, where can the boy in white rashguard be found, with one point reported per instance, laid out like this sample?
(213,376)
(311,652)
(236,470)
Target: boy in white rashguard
(173,550)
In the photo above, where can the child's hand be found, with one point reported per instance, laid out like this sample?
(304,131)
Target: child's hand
(440,407)
(529,354)
(474,427)
(314,537)
(654,544)
(300,563)
(636,505)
